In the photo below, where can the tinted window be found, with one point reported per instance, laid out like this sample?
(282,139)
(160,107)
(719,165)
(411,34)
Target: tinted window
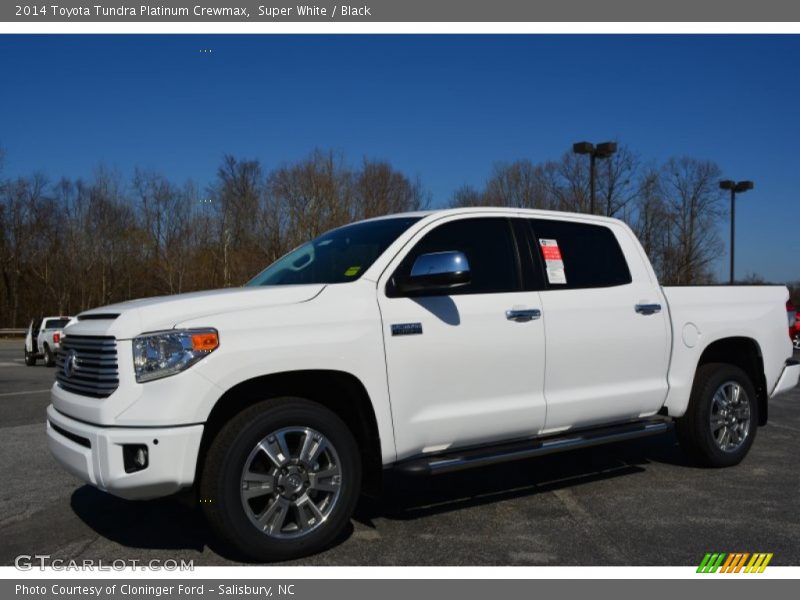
(55,323)
(339,256)
(590,254)
(489,247)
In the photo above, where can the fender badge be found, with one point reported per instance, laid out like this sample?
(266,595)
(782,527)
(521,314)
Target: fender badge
(407,329)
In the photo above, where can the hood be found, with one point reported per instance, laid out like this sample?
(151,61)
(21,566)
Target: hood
(129,319)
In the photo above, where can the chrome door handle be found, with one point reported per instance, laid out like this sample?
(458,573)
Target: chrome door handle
(523,315)
(648,309)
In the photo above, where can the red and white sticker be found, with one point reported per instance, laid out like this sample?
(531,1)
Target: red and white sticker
(554,265)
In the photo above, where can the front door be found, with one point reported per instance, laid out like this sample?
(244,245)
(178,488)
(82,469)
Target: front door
(461,371)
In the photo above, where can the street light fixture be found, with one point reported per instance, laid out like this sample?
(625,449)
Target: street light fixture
(604,150)
(734,187)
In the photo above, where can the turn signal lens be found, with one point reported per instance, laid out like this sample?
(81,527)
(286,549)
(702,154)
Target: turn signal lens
(204,342)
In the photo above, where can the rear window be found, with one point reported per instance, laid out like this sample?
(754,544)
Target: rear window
(55,323)
(579,255)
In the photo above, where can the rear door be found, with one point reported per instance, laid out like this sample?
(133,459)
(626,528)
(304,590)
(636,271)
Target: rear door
(460,371)
(606,325)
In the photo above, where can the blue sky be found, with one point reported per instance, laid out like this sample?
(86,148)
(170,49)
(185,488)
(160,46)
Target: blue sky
(443,108)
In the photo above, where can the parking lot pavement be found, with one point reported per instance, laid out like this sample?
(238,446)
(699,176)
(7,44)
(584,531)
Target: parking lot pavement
(635,503)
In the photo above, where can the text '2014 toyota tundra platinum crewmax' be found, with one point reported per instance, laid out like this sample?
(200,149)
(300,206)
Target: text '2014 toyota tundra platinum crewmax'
(422,342)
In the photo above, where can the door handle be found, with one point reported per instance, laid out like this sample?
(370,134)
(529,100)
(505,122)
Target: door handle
(523,315)
(648,309)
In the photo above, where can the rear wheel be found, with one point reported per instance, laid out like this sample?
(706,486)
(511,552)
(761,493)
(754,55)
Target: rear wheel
(281,479)
(720,423)
(49,359)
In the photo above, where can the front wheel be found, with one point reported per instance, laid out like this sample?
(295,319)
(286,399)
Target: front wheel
(281,479)
(719,426)
(30,359)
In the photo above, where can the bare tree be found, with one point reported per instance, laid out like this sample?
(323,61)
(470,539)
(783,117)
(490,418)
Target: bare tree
(379,190)
(691,190)
(315,194)
(79,243)
(520,184)
(466,196)
(617,179)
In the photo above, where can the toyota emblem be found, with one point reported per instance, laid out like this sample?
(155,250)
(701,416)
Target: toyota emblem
(69,363)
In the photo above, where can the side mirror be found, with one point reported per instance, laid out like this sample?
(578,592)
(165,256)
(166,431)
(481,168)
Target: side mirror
(436,272)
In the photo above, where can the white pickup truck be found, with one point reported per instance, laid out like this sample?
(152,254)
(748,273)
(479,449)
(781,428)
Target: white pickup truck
(43,340)
(423,342)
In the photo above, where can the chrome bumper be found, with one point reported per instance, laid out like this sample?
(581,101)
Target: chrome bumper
(788,379)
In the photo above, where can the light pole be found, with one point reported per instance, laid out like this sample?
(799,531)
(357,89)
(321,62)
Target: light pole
(734,187)
(604,150)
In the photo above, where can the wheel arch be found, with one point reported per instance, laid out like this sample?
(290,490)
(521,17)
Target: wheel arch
(745,353)
(339,391)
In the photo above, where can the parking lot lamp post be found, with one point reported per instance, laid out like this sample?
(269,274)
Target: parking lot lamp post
(734,187)
(604,150)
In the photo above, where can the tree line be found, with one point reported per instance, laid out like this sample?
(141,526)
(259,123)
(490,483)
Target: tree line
(70,244)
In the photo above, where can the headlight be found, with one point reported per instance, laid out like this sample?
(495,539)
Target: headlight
(165,353)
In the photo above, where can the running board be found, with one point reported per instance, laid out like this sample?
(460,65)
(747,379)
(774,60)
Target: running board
(455,460)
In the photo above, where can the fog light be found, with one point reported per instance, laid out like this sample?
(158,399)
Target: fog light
(134,457)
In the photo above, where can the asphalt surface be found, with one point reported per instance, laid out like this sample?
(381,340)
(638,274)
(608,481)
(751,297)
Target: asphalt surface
(635,503)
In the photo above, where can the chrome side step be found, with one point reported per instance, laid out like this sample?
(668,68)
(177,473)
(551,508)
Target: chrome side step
(458,460)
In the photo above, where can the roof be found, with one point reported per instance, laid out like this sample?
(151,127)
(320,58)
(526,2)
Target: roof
(532,212)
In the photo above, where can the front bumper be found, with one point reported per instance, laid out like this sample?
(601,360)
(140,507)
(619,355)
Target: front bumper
(788,379)
(94,454)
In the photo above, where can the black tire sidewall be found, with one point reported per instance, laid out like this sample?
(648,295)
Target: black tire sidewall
(703,438)
(226,482)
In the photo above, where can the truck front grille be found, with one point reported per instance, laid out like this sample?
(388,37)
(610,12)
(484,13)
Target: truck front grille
(87,365)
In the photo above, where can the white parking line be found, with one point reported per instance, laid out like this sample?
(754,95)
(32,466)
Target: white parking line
(24,393)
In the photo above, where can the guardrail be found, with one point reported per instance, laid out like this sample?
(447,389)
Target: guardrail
(12,332)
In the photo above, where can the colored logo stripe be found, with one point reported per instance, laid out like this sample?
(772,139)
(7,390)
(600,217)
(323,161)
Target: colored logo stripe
(758,563)
(711,562)
(734,562)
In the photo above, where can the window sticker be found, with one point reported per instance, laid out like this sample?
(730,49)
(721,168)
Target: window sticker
(553,263)
(352,271)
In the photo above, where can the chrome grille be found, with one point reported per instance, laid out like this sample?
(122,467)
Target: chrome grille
(93,371)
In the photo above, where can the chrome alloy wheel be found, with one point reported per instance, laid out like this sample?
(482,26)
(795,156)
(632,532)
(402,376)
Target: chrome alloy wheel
(730,416)
(291,482)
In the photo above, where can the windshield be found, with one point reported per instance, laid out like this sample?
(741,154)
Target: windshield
(55,323)
(339,256)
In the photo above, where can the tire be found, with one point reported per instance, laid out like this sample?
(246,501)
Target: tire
(280,524)
(712,410)
(49,359)
(30,359)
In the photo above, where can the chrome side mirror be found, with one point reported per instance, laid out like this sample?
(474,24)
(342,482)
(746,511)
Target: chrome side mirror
(436,272)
